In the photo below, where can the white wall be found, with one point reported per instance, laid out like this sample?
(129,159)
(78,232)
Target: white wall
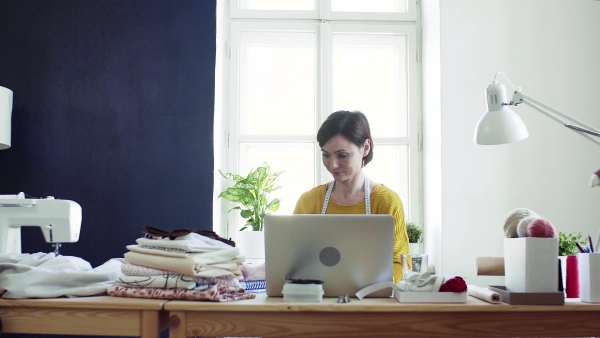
(550,48)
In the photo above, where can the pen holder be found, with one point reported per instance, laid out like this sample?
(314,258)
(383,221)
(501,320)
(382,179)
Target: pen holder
(589,277)
(531,264)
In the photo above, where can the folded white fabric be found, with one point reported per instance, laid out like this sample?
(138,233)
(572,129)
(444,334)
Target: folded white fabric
(220,263)
(191,242)
(422,282)
(45,275)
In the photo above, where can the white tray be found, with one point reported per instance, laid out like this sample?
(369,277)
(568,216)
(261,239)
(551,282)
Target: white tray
(430,297)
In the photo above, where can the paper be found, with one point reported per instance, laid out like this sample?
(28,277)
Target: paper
(484,294)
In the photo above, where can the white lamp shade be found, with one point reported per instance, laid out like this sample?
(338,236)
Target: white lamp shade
(500,127)
(500,124)
(6,102)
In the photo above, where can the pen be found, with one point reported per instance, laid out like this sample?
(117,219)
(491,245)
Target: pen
(597,244)
(591,245)
(582,250)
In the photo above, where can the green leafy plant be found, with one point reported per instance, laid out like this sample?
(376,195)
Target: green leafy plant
(414,232)
(566,243)
(252,195)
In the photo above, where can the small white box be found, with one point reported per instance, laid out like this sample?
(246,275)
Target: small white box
(302,292)
(531,264)
(589,277)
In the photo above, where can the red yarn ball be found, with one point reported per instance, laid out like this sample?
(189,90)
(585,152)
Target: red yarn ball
(541,228)
(456,284)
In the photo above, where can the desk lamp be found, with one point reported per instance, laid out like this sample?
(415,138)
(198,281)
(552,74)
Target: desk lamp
(500,124)
(6,100)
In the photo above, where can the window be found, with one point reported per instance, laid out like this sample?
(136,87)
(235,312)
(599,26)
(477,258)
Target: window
(288,64)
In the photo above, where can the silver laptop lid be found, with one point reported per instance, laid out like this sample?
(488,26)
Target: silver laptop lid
(346,252)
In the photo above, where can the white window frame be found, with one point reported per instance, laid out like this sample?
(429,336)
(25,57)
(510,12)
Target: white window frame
(323,22)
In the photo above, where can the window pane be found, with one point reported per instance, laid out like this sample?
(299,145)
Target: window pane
(295,160)
(390,168)
(281,5)
(277,83)
(385,6)
(369,74)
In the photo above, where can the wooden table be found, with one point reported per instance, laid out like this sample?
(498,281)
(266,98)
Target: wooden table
(90,316)
(269,317)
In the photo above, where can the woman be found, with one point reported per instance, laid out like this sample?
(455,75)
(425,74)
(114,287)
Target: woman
(346,147)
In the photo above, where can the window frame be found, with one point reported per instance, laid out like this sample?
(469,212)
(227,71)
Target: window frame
(228,138)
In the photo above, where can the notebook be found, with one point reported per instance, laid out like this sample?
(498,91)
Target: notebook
(346,252)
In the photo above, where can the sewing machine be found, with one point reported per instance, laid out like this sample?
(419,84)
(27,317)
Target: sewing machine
(60,220)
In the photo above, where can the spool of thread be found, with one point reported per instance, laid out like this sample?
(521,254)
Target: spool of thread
(572,277)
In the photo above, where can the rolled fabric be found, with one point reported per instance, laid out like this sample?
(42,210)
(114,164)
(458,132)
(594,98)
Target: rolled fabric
(484,294)
(490,266)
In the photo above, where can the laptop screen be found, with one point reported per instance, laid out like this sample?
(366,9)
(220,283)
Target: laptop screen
(346,252)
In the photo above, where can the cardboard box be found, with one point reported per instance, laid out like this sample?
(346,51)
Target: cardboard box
(529,298)
(531,264)
(430,297)
(589,277)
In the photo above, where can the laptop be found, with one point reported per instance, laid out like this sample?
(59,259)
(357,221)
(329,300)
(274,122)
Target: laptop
(346,252)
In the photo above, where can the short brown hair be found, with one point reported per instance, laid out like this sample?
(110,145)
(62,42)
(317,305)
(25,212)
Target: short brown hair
(353,125)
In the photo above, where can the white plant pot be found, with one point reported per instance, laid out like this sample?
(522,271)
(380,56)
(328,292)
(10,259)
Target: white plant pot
(414,249)
(251,244)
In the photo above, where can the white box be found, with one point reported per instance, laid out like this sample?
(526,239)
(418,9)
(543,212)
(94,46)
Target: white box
(302,292)
(589,277)
(531,264)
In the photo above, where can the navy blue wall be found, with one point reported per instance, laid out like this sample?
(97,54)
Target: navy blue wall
(113,109)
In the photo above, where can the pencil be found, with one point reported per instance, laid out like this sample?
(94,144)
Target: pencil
(591,245)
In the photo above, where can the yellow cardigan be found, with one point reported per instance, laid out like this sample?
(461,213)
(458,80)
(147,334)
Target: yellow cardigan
(383,201)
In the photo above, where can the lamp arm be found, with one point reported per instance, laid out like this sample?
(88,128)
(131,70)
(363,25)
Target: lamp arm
(583,129)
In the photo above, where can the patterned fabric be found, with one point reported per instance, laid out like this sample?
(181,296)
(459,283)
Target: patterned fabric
(216,293)
(253,284)
(138,270)
(165,282)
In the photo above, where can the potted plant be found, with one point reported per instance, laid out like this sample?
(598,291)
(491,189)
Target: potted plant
(415,235)
(251,194)
(567,243)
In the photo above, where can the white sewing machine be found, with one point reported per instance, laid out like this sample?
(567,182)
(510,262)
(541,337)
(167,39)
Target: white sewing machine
(60,220)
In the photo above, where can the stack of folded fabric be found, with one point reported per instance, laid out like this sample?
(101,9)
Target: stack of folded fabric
(183,265)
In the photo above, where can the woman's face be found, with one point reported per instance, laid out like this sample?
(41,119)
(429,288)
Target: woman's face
(342,158)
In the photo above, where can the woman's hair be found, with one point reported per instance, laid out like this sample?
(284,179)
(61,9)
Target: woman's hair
(353,125)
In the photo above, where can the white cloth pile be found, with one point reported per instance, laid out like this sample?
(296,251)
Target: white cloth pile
(189,267)
(45,275)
